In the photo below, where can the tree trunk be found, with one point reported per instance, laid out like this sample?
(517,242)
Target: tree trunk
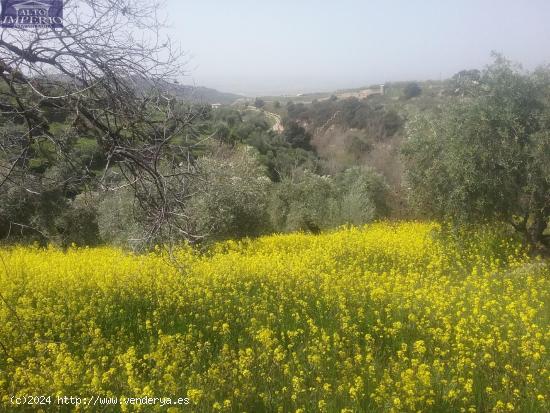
(536,230)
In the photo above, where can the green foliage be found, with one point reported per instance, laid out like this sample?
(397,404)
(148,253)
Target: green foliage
(412,90)
(310,202)
(259,103)
(280,154)
(230,197)
(87,152)
(376,119)
(78,224)
(297,136)
(366,187)
(282,160)
(48,217)
(119,221)
(31,210)
(465,83)
(358,145)
(484,157)
(16,209)
(303,203)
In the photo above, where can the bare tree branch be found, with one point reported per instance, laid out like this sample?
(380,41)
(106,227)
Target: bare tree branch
(107,71)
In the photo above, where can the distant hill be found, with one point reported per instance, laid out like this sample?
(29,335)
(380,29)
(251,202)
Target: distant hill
(194,94)
(201,94)
(392,91)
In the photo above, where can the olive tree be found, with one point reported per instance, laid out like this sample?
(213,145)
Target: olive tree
(230,197)
(486,155)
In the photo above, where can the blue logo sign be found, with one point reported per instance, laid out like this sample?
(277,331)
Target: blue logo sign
(31,13)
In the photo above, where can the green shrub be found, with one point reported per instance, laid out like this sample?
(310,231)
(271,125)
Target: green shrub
(229,197)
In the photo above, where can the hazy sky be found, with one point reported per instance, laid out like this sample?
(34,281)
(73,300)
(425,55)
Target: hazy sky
(259,47)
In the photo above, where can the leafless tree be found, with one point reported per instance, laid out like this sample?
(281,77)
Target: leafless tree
(107,70)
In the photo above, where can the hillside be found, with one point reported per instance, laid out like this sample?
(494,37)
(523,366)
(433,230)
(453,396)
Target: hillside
(201,94)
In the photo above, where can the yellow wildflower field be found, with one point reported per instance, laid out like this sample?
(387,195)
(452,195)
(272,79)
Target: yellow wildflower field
(384,318)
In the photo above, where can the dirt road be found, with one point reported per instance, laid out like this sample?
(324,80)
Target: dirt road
(278,122)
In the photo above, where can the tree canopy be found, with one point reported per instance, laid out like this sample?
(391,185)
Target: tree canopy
(486,155)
